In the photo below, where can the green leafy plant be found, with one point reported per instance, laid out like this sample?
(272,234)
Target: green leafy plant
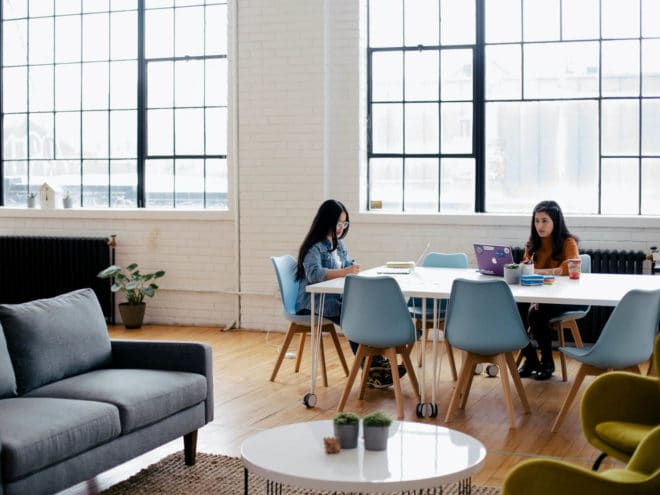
(512,266)
(32,195)
(133,284)
(346,418)
(378,418)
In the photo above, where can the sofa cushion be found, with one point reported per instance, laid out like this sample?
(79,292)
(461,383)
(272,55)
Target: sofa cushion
(50,339)
(35,433)
(7,377)
(142,396)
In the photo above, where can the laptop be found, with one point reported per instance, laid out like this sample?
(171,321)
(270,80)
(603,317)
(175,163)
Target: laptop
(491,259)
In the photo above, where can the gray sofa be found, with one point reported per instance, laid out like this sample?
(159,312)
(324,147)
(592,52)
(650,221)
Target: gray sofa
(74,403)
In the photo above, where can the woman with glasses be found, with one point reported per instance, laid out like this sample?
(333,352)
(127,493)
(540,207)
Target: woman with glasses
(323,256)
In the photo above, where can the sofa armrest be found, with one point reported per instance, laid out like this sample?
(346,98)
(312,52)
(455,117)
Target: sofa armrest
(193,357)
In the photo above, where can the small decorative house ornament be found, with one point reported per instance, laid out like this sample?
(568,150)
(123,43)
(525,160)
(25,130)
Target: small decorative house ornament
(49,197)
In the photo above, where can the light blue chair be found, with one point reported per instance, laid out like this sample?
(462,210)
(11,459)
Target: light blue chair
(568,321)
(625,342)
(285,269)
(437,260)
(375,316)
(483,320)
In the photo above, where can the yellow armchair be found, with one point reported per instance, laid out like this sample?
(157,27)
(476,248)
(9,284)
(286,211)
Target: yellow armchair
(641,476)
(618,409)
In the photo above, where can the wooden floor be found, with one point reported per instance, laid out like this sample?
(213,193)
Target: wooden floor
(246,402)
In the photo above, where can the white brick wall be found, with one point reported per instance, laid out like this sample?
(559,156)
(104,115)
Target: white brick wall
(301,139)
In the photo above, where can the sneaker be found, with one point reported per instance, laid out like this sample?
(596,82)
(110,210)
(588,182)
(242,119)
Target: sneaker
(379,378)
(385,364)
(528,369)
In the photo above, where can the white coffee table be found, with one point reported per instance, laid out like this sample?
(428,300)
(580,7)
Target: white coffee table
(418,456)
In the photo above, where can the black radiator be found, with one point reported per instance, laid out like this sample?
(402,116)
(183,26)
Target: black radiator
(38,267)
(602,261)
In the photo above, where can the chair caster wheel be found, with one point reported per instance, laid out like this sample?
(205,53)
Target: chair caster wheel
(478,369)
(309,400)
(419,410)
(492,370)
(434,410)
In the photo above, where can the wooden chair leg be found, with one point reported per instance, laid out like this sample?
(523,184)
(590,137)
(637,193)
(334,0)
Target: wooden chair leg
(324,370)
(468,385)
(351,379)
(285,346)
(390,354)
(301,348)
(508,358)
(575,333)
(365,373)
(579,378)
(506,388)
(190,447)
(559,328)
(452,361)
(340,352)
(466,370)
(405,357)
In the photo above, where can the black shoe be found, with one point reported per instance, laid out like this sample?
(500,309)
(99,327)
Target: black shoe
(402,371)
(545,371)
(528,369)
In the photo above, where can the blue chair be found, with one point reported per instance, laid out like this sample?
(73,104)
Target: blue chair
(437,260)
(375,316)
(483,320)
(625,342)
(568,321)
(285,269)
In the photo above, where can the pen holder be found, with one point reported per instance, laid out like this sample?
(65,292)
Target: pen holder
(527,269)
(512,274)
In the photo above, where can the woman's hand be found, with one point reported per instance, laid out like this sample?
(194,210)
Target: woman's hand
(351,269)
(548,271)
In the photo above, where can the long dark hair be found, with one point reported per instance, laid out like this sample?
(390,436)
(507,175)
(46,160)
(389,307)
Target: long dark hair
(559,231)
(324,222)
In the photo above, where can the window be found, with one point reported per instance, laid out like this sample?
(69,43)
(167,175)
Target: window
(493,105)
(120,103)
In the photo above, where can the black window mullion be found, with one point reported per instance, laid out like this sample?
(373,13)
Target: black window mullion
(2,111)
(479,108)
(141,106)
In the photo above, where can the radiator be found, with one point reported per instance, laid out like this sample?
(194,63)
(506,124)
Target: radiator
(38,267)
(602,261)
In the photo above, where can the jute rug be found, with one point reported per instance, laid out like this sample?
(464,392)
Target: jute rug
(215,474)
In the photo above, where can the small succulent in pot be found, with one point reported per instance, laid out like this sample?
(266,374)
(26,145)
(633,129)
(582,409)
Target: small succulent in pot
(347,427)
(376,428)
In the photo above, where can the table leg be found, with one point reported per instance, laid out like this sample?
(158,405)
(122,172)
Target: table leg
(315,329)
(245,481)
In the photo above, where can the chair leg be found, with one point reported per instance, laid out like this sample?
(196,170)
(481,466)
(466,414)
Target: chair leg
(365,373)
(301,347)
(579,378)
(575,333)
(452,361)
(468,385)
(324,370)
(559,328)
(466,371)
(422,342)
(405,356)
(351,379)
(390,354)
(508,357)
(285,346)
(598,461)
(506,388)
(340,352)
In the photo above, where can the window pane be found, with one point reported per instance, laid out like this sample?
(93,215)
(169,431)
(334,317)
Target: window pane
(14,137)
(456,75)
(541,20)
(41,88)
(123,134)
(216,184)
(385,175)
(67,7)
(620,18)
(650,189)
(651,128)
(159,183)
(41,41)
(189,184)
(95,183)
(67,87)
(650,24)
(620,127)
(160,128)
(422,128)
(547,149)
(67,39)
(216,131)
(421,184)
(620,186)
(67,132)
(620,68)
(95,86)
(457,22)
(123,184)
(159,33)
(123,37)
(216,81)
(580,19)
(40,8)
(557,70)
(13,9)
(95,37)
(422,22)
(160,89)
(15,183)
(457,185)
(95,134)
(95,5)
(189,37)
(123,87)
(14,43)
(41,135)
(456,128)
(216,29)
(189,131)
(386,128)
(385,23)
(421,75)
(387,76)
(15,90)
(651,67)
(503,66)
(189,83)
(502,21)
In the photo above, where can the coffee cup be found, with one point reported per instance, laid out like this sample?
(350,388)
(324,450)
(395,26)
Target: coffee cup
(527,269)
(574,268)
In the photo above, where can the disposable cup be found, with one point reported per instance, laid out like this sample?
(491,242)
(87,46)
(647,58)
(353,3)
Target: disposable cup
(574,268)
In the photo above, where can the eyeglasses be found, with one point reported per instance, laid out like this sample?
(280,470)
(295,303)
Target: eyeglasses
(342,225)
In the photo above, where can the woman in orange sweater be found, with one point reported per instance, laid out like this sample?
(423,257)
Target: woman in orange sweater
(550,246)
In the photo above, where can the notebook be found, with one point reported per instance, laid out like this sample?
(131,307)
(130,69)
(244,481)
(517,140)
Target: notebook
(491,259)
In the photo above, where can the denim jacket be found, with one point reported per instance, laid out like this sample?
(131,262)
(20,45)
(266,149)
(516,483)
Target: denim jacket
(318,260)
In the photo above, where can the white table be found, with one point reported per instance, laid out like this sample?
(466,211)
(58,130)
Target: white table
(597,289)
(418,456)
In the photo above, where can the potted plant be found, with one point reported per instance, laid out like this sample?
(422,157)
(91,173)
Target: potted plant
(376,427)
(32,200)
(67,200)
(512,273)
(135,286)
(347,427)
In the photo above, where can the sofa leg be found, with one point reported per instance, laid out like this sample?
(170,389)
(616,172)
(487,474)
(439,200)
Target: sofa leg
(190,447)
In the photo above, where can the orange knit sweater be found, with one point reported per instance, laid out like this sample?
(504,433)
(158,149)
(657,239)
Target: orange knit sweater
(543,257)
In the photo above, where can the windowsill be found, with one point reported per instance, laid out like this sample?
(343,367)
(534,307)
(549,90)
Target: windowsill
(118,214)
